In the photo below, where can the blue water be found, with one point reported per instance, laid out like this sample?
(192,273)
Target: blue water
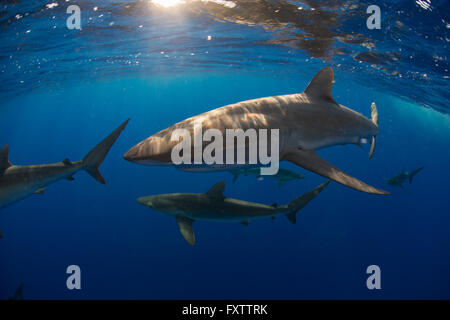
(74,87)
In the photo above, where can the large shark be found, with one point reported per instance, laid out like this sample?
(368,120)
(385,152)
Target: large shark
(18,182)
(306,121)
(214,206)
(283,175)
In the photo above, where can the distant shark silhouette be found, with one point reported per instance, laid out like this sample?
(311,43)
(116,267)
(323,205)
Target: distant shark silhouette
(399,179)
(283,175)
(18,295)
(214,206)
(18,182)
(307,121)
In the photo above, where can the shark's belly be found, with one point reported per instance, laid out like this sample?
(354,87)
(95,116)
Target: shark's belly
(231,212)
(15,192)
(19,182)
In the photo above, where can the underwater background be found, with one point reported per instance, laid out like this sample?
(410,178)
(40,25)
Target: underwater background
(62,91)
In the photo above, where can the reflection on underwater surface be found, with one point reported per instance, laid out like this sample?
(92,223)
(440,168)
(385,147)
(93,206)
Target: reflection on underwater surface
(407,57)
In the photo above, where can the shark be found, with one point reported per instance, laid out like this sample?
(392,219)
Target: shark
(18,295)
(214,206)
(283,175)
(399,179)
(18,182)
(306,121)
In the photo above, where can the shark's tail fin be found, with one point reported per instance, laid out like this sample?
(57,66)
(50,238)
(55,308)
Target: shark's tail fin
(298,203)
(95,157)
(412,174)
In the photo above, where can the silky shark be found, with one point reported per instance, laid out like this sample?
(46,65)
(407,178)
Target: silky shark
(18,182)
(214,206)
(283,175)
(306,121)
(399,179)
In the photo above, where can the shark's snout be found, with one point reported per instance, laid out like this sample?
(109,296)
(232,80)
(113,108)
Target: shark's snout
(152,151)
(131,154)
(146,201)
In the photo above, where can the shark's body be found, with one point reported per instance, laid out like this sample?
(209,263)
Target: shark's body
(18,182)
(399,179)
(214,206)
(307,121)
(283,175)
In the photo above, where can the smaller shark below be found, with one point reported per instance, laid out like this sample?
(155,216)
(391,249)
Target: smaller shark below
(283,175)
(399,179)
(18,182)
(214,206)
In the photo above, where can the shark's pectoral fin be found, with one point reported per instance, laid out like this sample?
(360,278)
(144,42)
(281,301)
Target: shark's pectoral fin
(309,160)
(185,226)
(40,191)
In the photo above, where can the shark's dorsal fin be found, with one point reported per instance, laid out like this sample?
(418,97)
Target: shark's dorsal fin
(185,226)
(320,86)
(4,158)
(216,191)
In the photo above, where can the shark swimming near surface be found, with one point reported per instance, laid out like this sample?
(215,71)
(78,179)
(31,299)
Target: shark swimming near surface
(214,206)
(18,182)
(283,175)
(306,121)
(399,179)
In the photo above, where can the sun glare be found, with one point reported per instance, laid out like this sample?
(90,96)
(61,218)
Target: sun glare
(167,3)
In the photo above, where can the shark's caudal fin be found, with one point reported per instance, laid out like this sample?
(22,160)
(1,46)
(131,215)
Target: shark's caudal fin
(185,226)
(412,174)
(309,160)
(95,157)
(298,203)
